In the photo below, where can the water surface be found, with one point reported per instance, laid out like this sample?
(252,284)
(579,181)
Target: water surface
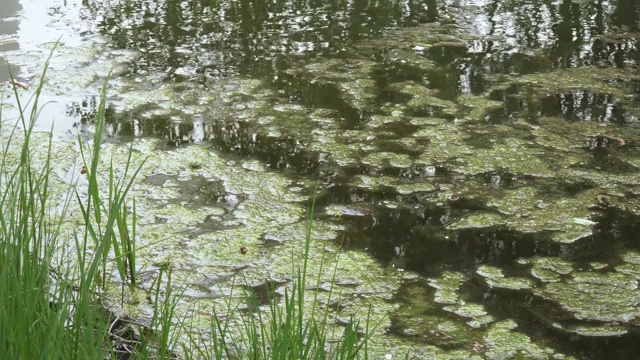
(481,156)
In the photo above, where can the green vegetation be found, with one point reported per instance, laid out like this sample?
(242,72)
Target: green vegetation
(43,313)
(287,330)
(52,280)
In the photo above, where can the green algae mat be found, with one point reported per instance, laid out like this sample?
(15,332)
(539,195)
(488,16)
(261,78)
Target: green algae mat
(477,166)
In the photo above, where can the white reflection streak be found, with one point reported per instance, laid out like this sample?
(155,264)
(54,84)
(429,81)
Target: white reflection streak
(406,9)
(503,22)
(608,112)
(137,129)
(465,79)
(198,129)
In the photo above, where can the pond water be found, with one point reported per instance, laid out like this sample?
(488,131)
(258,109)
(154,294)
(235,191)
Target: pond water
(477,161)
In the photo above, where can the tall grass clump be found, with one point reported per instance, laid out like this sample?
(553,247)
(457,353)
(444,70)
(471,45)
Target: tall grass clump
(35,301)
(50,300)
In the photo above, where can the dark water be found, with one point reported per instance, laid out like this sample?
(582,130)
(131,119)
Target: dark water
(481,43)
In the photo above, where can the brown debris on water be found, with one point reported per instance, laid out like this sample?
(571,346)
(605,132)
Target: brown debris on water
(127,336)
(19,84)
(602,200)
(605,142)
(477,347)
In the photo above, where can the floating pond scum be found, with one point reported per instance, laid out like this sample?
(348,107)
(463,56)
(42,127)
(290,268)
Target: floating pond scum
(477,163)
